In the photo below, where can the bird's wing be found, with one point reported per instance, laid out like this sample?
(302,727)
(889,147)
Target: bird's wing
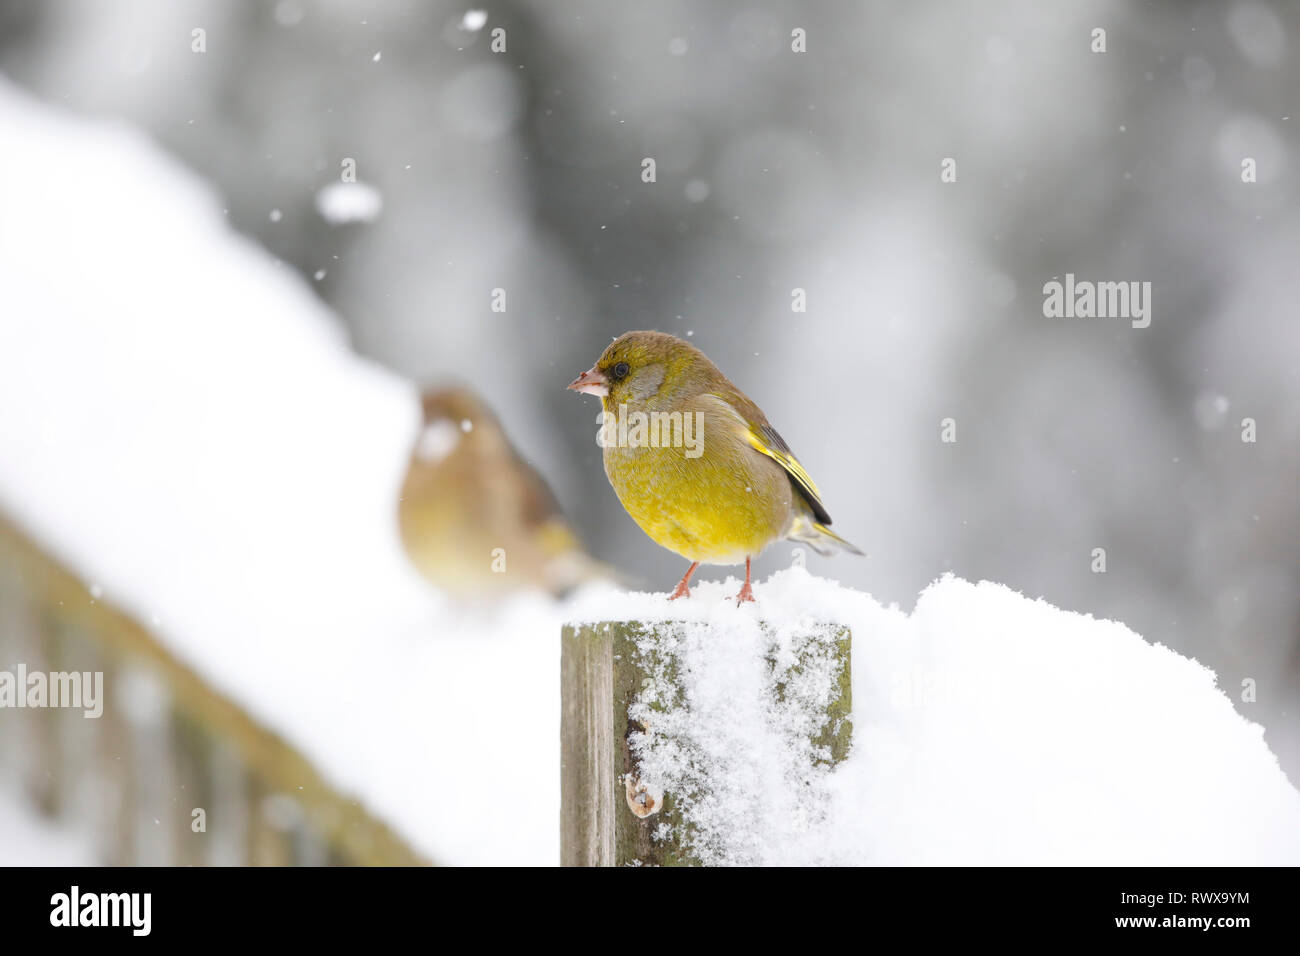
(539,502)
(765,439)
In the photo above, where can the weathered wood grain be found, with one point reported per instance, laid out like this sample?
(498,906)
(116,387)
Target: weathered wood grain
(609,817)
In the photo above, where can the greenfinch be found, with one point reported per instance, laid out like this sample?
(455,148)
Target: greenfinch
(694,460)
(476,521)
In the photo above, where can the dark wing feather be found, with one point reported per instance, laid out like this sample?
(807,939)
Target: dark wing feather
(766,439)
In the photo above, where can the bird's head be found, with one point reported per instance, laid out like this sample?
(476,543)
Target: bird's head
(452,417)
(640,367)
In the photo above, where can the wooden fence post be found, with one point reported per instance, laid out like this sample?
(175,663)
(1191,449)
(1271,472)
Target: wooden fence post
(608,816)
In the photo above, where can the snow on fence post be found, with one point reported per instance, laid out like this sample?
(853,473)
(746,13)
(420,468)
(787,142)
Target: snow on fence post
(617,677)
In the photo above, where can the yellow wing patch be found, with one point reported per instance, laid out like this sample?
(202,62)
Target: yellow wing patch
(766,440)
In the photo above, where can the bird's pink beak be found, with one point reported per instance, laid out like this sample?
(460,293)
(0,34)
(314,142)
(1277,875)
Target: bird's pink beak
(591,382)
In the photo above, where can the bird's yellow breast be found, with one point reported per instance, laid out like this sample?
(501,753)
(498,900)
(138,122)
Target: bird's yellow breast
(718,508)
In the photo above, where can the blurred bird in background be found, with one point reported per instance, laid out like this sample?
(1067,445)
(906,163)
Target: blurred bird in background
(476,520)
(719,484)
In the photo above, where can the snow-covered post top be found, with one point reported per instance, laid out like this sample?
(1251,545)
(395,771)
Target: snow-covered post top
(697,740)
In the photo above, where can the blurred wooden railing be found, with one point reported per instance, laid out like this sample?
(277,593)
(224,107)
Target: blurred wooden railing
(166,744)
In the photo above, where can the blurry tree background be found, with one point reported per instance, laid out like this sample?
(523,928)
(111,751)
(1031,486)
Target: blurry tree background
(520,169)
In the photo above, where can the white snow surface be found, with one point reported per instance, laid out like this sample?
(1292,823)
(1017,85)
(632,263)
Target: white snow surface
(182,423)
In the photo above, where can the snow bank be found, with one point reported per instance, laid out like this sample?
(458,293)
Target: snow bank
(988,729)
(182,423)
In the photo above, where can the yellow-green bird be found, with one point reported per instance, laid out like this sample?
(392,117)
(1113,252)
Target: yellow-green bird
(694,460)
(475,519)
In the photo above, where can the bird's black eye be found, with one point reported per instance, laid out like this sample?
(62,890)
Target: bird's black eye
(621,369)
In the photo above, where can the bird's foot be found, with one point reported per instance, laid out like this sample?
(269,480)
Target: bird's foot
(746,594)
(684,585)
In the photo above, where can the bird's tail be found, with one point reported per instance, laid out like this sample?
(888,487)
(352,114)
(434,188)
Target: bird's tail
(817,536)
(568,566)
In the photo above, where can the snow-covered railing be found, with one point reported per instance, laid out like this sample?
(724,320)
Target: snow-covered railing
(171,772)
(223,468)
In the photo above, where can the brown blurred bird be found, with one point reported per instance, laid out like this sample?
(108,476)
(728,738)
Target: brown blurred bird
(476,519)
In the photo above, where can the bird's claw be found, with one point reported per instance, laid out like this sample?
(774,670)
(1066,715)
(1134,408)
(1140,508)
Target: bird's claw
(746,594)
(684,585)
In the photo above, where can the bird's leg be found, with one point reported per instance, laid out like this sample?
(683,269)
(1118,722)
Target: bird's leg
(684,585)
(746,592)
